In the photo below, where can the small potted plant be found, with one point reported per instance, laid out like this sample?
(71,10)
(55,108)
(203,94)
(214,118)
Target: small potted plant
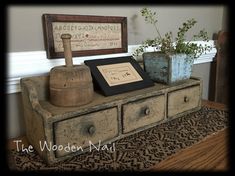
(172,60)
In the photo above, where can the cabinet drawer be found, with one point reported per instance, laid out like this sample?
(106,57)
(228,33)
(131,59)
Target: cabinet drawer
(143,112)
(183,100)
(93,127)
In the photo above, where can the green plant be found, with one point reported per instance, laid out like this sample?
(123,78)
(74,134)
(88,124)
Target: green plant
(165,44)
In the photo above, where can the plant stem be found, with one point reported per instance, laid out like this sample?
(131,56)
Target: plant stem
(157,31)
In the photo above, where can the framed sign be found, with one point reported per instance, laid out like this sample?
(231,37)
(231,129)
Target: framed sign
(91,35)
(118,75)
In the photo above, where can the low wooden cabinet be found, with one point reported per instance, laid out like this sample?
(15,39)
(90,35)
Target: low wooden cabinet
(105,119)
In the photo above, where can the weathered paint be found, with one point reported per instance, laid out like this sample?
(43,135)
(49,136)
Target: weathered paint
(143,112)
(182,100)
(167,69)
(105,118)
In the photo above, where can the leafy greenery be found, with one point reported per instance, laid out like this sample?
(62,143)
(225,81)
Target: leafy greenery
(165,44)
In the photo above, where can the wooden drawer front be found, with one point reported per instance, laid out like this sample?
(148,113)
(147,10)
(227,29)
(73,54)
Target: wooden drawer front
(183,100)
(143,112)
(93,127)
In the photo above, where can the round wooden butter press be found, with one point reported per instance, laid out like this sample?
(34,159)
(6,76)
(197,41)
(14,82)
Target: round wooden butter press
(70,85)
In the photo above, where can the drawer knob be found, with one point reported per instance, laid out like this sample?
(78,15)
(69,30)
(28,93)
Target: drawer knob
(91,129)
(147,111)
(186,99)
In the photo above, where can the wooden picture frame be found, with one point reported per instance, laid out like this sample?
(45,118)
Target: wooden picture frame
(118,75)
(91,35)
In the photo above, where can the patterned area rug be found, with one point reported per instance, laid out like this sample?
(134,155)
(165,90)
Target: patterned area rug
(136,152)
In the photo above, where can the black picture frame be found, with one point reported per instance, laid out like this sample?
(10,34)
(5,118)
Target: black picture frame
(142,81)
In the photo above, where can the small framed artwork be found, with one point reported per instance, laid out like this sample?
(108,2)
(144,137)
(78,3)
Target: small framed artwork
(118,75)
(91,35)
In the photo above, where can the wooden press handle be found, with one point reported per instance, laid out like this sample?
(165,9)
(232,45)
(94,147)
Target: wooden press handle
(66,38)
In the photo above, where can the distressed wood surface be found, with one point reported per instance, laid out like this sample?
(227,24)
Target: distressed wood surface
(34,115)
(143,112)
(183,100)
(78,131)
(220,151)
(102,101)
(53,121)
(167,69)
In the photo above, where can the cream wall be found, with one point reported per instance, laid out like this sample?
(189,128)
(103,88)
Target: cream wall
(25,27)
(25,34)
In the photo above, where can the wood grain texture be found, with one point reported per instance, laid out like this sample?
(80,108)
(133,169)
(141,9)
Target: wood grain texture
(93,127)
(211,154)
(222,69)
(71,85)
(183,100)
(47,115)
(215,105)
(143,112)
